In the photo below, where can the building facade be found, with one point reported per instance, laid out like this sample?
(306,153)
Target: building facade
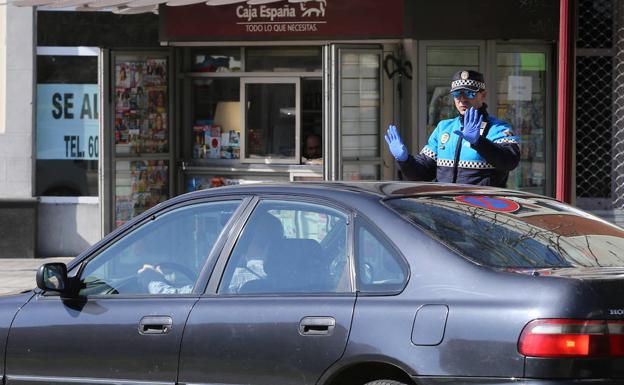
(125,111)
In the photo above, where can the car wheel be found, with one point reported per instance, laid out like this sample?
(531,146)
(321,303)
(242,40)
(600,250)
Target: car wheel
(385,382)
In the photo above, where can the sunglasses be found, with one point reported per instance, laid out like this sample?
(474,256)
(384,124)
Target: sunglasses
(467,93)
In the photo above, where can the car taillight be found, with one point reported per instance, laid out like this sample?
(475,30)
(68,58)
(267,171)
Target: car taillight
(572,338)
(616,337)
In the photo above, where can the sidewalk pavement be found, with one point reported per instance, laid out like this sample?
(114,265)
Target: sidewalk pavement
(17,274)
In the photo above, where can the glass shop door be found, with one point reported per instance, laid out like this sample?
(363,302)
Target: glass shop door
(519,82)
(524,99)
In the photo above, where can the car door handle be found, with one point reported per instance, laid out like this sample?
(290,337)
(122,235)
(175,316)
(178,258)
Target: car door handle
(155,325)
(317,326)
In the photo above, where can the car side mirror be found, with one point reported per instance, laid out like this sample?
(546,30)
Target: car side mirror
(52,277)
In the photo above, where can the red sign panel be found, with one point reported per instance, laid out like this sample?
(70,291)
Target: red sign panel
(285,19)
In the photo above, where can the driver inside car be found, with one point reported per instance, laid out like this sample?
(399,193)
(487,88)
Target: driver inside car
(259,234)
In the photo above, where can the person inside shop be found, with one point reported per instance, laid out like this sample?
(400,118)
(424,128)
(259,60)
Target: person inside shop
(313,148)
(263,231)
(472,148)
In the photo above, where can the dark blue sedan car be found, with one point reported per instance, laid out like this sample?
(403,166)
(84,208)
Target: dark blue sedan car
(333,283)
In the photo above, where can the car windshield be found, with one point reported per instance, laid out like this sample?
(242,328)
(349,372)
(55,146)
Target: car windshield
(516,232)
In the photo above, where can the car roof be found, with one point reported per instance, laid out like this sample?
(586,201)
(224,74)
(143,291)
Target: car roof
(342,189)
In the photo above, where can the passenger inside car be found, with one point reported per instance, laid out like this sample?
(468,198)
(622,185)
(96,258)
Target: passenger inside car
(292,266)
(252,249)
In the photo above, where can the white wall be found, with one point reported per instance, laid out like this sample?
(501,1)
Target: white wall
(67,225)
(16,137)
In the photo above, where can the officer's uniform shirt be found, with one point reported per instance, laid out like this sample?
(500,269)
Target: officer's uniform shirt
(486,163)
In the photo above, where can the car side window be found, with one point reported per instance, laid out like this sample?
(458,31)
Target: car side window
(289,247)
(163,256)
(379,266)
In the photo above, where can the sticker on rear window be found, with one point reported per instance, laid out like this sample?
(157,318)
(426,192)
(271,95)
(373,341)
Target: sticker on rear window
(489,203)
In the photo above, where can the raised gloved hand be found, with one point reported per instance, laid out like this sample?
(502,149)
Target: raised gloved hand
(395,144)
(472,126)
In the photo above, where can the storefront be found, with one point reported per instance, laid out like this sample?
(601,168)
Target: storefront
(280,92)
(301,90)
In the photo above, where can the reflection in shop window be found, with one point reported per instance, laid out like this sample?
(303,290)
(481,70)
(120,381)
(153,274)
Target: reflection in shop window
(272,121)
(521,101)
(442,62)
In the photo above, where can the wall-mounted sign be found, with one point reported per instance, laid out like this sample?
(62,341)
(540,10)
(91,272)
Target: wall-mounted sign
(67,121)
(291,19)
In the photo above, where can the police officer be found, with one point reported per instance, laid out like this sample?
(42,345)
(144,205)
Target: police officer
(473,148)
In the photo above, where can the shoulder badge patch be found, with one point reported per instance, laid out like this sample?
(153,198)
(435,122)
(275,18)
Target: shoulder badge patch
(508,133)
(445,138)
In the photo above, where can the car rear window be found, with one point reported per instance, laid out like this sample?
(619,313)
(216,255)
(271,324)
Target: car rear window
(516,232)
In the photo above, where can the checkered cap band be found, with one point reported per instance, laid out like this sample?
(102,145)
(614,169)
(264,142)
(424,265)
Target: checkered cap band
(506,140)
(427,152)
(465,164)
(467,83)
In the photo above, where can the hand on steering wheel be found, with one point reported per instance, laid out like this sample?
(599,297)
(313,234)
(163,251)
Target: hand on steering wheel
(176,274)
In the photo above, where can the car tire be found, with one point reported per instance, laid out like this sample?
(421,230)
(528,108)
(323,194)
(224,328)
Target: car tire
(385,382)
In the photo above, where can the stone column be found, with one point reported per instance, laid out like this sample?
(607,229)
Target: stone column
(16,132)
(17,204)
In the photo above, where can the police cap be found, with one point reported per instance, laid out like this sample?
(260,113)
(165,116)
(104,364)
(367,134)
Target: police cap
(467,80)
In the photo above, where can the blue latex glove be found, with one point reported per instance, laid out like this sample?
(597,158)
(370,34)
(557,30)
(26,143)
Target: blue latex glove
(472,126)
(395,144)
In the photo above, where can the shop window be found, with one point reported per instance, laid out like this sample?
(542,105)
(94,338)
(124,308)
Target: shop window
(67,123)
(250,126)
(216,118)
(142,155)
(141,105)
(139,185)
(272,122)
(283,59)
(312,121)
